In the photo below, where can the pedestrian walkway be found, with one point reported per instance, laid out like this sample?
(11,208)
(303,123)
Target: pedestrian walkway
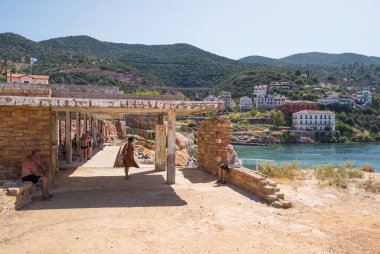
(103,159)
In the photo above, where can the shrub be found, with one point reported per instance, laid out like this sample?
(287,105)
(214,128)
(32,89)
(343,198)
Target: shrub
(337,176)
(371,185)
(289,170)
(367,168)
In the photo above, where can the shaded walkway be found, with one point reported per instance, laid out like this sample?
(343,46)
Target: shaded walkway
(106,187)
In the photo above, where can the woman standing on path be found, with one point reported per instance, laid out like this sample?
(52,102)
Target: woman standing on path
(128,156)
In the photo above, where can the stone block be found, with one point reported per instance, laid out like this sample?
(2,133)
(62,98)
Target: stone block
(268,190)
(286,204)
(270,198)
(280,195)
(276,204)
(272,183)
(15,191)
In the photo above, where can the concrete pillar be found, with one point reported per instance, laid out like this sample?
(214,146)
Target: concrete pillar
(55,129)
(69,150)
(170,179)
(77,116)
(84,123)
(160,144)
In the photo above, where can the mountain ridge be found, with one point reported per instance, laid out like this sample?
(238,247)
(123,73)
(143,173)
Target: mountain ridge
(315,58)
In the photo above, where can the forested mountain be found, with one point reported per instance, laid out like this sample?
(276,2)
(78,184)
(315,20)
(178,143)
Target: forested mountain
(180,65)
(83,60)
(315,58)
(261,60)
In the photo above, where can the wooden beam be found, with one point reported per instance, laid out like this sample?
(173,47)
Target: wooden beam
(170,179)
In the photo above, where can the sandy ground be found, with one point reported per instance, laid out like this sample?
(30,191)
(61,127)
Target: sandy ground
(97,211)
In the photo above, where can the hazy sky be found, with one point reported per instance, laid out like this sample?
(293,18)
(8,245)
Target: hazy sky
(229,28)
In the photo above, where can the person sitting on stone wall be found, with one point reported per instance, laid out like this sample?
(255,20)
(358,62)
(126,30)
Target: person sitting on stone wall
(29,172)
(231,162)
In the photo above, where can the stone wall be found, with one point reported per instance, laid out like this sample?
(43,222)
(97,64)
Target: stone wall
(23,129)
(146,122)
(29,92)
(213,137)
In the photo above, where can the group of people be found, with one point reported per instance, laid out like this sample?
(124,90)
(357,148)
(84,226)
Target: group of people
(87,143)
(29,171)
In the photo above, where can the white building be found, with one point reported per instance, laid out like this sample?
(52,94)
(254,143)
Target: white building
(246,103)
(328,101)
(367,97)
(261,90)
(210,98)
(314,120)
(346,99)
(226,98)
(270,101)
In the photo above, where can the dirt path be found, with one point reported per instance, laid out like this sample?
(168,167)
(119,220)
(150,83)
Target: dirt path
(97,211)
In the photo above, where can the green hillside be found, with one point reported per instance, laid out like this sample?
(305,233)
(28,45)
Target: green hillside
(315,58)
(82,59)
(261,60)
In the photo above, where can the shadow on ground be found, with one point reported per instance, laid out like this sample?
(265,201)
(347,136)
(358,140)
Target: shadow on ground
(142,189)
(200,176)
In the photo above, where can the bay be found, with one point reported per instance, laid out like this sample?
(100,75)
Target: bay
(313,154)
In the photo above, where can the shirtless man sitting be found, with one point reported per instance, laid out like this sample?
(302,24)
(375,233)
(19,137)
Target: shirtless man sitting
(29,172)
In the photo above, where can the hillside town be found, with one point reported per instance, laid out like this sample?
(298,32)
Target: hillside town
(300,114)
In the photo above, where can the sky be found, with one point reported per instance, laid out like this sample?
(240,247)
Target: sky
(230,28)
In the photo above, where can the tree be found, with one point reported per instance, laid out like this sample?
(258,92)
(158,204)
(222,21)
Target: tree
(277,117)
(299,81)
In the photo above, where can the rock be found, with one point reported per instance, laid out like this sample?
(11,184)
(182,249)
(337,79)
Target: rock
(184,143)
(181,158)
(286,204)
(280,195)
(15,191)
(268,190)
(276,204)
(272,183)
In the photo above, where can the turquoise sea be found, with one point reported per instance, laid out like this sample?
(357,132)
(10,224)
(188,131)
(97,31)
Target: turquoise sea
(313,154)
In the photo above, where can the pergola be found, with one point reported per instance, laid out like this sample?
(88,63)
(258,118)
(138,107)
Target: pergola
(96,110)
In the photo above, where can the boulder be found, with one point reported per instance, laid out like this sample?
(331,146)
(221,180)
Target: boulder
(181,158)
(183,142)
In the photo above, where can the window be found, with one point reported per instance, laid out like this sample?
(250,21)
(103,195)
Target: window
(325,116)
(14,81)
(26,82)
(306,122)
(315,117)
(320,117)
(305,116)
(301,121)
(315,121)
(301,117)
(329,116)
